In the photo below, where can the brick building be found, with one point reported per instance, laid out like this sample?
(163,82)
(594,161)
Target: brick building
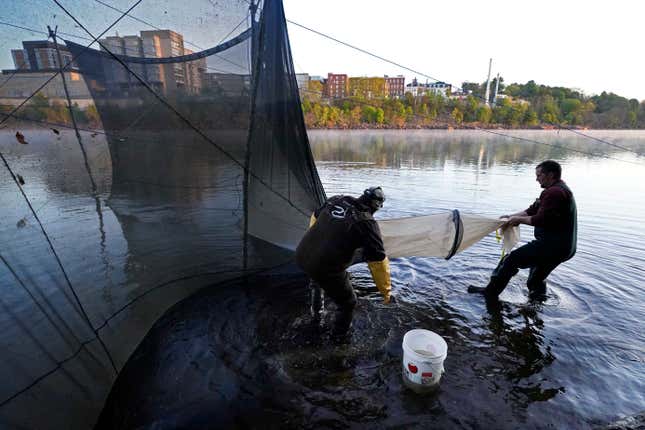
(394,86)
(336,86)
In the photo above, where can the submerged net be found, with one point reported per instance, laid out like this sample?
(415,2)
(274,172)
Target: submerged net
(176,168)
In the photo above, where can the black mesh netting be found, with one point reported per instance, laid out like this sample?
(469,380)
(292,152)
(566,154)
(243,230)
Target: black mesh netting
(201,172)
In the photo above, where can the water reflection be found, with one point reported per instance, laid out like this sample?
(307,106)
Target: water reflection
(518,344)
(522,364)
(423,149)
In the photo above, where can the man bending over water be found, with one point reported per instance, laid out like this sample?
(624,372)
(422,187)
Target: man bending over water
(337,229)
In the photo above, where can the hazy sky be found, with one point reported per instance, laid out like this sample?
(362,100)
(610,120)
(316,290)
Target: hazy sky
(591,45)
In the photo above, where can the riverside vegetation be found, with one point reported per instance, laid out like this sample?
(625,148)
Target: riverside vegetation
(522,106)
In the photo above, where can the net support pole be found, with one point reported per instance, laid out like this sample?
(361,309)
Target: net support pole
(88,169)
(52,34)
(247,156)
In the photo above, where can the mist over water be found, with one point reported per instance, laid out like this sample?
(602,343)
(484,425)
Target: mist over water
(247,353)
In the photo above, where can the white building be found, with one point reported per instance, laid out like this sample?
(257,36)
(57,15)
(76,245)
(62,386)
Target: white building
(303,81)
(417,89)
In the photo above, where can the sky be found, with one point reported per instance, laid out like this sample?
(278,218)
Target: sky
(591,45)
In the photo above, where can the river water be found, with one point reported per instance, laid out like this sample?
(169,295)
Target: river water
(579,356)
(574,361)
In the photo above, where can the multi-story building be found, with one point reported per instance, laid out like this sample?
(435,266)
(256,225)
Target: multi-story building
(183,76)
(418,89)
(34,64)
(302,80)
(395,86)
(40,55)
(415,88)
(336,86)
(117,74)
(165,43)
(195,72)
(20,59)
(440,88)
(367,87)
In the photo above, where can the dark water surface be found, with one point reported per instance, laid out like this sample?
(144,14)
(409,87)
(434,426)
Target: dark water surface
(246,354)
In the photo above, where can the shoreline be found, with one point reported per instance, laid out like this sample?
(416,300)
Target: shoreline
(444,127)
(473,127)
(469,127)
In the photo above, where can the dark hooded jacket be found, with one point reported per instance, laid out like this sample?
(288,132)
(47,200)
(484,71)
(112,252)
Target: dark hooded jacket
(343,225)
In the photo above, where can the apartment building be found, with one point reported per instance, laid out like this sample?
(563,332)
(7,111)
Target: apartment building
(39,55)
(167,78)
(394,86)
(336,86)
(367,88)
(418,89)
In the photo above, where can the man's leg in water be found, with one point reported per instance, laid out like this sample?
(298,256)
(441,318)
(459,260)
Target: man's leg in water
(522,258)
(317,301)
(537,278)
(339,288)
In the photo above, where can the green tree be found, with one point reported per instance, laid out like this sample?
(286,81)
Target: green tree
(37,107)
(380,116)
(314,90)
(476,89)
(457,115)
(470,111)
(531,118)
(484,114)
(572,111)
(306,106)
(355,116)
(92,115)
(550,111)
(369,114)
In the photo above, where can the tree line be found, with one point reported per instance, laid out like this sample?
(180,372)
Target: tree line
(41,109)
(520,106)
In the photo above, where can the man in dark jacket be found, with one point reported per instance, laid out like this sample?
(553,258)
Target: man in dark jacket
(337,230)
(554,217)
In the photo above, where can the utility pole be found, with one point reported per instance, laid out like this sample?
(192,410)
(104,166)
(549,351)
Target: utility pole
(490,64)
(496,89)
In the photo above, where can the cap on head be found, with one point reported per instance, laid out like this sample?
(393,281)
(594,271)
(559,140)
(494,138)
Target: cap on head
(374,197)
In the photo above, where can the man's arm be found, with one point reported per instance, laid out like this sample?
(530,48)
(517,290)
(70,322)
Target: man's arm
(377,260)
(521,213)
(315,215)
(517,219)
(522,217)
(550,210)
(380,271)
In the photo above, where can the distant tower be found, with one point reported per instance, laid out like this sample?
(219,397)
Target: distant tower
(490,64)
(496,89)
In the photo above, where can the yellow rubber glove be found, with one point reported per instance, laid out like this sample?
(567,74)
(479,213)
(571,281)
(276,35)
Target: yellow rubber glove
(312,220)
(381,274)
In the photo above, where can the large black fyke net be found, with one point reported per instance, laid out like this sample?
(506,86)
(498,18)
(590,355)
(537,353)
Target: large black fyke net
(200,172)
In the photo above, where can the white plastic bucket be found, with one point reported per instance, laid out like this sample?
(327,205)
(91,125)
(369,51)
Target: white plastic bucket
(423,355)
